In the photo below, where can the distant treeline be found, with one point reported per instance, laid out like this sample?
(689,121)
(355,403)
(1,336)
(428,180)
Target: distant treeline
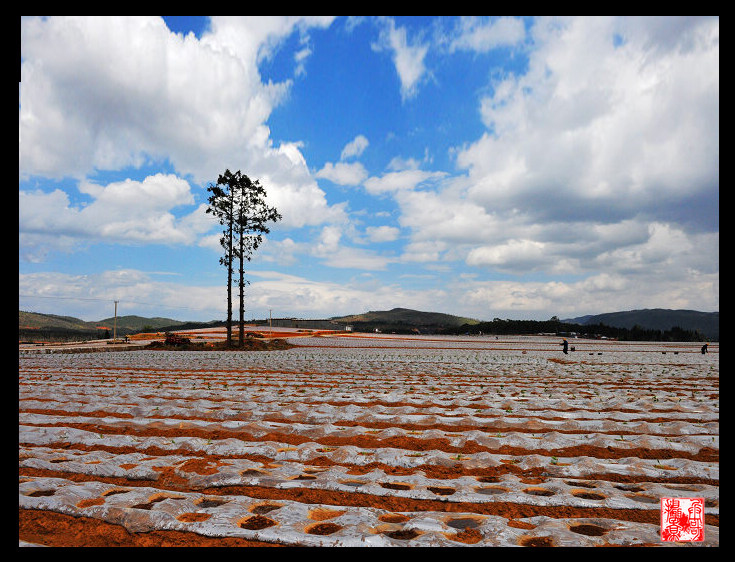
(495,327)
(61,334)
(400,328)
(636,333)
(50,334)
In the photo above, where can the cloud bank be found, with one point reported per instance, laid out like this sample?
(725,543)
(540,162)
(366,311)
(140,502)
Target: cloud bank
(592,185)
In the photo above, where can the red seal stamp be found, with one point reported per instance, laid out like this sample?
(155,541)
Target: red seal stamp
(682,519)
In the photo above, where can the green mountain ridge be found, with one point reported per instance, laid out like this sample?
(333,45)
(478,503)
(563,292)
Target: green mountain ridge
(706,323)
(124,324)
(396,319)
(406,317)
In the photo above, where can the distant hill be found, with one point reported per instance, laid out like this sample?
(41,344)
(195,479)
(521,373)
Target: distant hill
(35,326)
(50,327)
(403,320)
(137,323)
(128,323)
(35,320)
(706,323)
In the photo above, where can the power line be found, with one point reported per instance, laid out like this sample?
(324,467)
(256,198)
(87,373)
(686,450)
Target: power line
(252,312)
(108,300)
(70,298)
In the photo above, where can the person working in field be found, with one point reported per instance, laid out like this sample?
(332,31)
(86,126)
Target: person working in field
(565,346)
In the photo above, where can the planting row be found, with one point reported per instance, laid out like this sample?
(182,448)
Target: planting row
(524,445)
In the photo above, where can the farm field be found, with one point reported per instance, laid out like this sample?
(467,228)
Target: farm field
(368,440)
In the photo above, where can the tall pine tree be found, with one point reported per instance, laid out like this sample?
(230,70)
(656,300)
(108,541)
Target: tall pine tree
(239,205)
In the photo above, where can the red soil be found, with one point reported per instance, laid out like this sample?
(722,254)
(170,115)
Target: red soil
(56,529)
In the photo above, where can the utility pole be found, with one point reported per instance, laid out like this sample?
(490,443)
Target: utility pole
(114,326)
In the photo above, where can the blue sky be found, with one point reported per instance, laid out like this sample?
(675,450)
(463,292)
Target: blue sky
(482,166)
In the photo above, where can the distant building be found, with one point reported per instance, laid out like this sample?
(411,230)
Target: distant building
(305,324)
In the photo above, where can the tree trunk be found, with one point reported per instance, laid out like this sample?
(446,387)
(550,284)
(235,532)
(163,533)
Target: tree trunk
(229,287)
(240,338)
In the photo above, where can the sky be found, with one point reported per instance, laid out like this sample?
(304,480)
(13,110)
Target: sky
(482,166)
